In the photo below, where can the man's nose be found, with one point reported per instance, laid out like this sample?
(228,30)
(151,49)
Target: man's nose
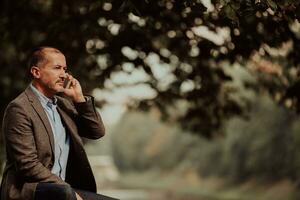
(63,74)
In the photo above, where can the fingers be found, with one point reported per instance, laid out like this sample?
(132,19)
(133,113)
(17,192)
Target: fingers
(74,90)
(73,81)
(78,197)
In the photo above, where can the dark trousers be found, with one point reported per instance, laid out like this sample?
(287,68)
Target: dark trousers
(51,191)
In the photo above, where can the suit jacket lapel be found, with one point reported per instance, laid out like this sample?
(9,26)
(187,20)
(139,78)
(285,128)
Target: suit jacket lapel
(42,114)
(70,125)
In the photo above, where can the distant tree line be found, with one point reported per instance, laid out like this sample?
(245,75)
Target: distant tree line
(265,148)
(260,34)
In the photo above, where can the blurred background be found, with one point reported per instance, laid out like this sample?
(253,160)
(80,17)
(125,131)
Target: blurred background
(200,98)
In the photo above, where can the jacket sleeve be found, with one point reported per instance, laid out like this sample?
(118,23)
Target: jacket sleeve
(88,120)
(21,147)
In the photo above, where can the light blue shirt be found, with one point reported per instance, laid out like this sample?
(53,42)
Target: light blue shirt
(61,139)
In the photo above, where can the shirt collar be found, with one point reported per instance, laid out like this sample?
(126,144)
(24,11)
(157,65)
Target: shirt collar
(45,101)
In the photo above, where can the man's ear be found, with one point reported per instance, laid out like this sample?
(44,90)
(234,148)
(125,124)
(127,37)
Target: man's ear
(35,71)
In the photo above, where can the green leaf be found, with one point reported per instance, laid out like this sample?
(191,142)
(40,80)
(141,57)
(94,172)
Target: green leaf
(224,2)
(230,13)
(272,4)
(235,5)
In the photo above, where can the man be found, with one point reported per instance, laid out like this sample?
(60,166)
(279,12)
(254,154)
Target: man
(45,155)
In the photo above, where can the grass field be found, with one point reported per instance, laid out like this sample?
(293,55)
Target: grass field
(188,186)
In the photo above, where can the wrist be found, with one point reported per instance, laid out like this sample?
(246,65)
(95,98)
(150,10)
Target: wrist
(79,99)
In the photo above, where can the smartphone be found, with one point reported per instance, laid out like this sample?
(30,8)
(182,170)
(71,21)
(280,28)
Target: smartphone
(67,83)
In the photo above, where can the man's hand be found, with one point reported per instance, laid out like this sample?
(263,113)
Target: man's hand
(78,197)
(73,90)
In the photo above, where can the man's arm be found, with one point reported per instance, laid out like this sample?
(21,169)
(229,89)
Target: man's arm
(88,121)
(18,133)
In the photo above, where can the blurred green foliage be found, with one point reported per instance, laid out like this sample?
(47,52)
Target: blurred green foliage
(265,147)
(265,33)
(129,32)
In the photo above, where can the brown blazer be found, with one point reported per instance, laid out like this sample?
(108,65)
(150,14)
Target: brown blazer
(30,145)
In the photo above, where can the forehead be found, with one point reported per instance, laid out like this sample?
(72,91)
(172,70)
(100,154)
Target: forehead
(55,58)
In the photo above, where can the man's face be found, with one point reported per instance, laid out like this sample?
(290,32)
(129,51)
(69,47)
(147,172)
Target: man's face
(53,72)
